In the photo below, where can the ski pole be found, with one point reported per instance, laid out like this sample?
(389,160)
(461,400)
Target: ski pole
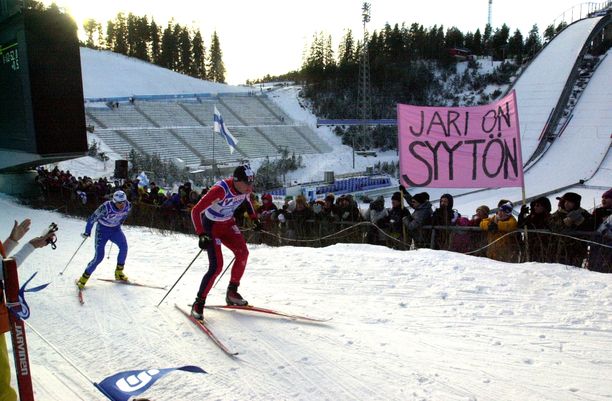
(75,252)
(226,267)
(110,248)
(179,279)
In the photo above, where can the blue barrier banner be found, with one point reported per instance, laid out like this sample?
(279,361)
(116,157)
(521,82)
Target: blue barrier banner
(124,385)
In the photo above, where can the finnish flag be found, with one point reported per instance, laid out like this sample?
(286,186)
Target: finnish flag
(220,128)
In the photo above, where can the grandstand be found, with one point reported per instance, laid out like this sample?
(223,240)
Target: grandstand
(182,127)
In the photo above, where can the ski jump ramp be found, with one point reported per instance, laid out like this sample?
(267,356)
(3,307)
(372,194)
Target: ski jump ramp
(582,152)
(539,87)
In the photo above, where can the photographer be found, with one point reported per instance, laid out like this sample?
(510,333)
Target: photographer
(6,247)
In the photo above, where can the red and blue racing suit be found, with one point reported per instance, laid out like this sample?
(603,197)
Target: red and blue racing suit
(214,215)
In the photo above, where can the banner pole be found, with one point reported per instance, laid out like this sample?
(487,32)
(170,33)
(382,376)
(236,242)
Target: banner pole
(525,227)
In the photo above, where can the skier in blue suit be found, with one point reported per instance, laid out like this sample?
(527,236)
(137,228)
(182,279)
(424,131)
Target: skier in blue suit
(109,216)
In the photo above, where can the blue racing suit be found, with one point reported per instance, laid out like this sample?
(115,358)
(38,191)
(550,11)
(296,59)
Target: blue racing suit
(109,219)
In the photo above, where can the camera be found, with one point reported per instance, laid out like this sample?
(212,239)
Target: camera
(49,232)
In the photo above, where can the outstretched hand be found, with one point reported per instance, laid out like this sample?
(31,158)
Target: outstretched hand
(19,230)
(43,240)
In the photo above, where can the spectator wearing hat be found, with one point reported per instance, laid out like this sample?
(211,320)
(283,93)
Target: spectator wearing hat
(420,217)
(569,219)
(329,211)
(501,247)
(395,215)
(377,215)
(477,239)
(267,211)
(600,214)
(482,212)
(347,209)
(536,216)
(600,258)
(444,215)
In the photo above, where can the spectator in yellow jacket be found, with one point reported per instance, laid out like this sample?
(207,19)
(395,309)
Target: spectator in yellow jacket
(506,249)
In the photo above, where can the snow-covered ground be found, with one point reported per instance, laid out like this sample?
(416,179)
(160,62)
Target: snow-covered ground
(108,74)
(419,325)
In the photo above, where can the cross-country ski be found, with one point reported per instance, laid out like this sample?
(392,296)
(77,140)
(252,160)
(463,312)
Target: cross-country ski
(203,326)
(251,308)
(79,293)
(134,283)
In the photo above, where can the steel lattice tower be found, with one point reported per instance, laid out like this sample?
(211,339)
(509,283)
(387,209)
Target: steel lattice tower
(364,94)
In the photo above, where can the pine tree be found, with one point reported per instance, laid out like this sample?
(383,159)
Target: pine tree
(515,45)
(154,36)
(131,34)
(216,69)
(454,38)
(468,41)
(533,44)
(169,51)
(328,55)
(346,50)
(184,50)
(417,40)
(101,38)
(110,35)
(198,68)
(91,27)
(549,33)
(120,44)
(499,42)
(486,40)
(143,37)
(477,46)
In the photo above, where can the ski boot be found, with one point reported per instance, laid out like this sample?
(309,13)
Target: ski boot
(197,309)
(232,297)
(82,281)
(119,274)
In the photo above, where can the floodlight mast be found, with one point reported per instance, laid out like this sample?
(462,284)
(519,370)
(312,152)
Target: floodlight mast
(364,96)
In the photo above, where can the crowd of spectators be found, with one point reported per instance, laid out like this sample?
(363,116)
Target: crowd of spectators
(570,235)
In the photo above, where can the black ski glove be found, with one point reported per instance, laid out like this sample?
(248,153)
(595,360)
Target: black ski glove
(257,225)
(205,241)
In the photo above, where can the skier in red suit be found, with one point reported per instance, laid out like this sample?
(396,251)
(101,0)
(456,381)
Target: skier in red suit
(213,220)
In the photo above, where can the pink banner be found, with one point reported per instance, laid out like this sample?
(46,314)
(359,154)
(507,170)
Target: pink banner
(460,147)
